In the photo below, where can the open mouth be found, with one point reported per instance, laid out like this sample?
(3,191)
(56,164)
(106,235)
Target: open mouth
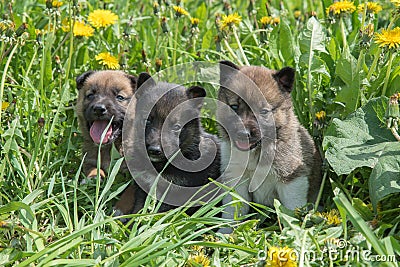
(246,145)
(98,127)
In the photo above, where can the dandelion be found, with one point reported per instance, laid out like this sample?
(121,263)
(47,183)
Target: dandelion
(388,38)
(108,60)
(396,3)
(102,18)
(332,217)
(81,29)
(156,8)
(230,20)
(297,14)
(320,115)
(57,3)
(199,259)
(266,20)
(338,8)
(4,105)
(278,257)
(276,21)
(194,22)
(372,8)
(179,11)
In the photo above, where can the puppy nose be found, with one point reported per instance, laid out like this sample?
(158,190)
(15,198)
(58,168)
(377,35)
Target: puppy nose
(243,135)
(99,109)
(154,150)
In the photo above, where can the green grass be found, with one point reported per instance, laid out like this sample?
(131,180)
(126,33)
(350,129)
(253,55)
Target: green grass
(48,219)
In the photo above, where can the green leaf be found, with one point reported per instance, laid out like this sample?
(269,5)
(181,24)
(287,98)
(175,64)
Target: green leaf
(360,141)
(312,38)
(346,70)
(286,43)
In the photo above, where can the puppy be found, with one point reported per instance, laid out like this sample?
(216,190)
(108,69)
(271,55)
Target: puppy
(283,162)
(103,98)
(177,109)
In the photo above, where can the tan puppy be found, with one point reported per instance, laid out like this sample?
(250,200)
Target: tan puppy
(103,97)
(293,174)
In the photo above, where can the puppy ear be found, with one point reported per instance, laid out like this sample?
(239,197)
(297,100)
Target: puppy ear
(144,80)
(195,92)
(82,78)
(285,79)
(133,80)
(226,70)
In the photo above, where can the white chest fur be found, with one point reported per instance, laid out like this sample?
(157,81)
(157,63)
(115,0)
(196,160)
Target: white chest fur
(242,165)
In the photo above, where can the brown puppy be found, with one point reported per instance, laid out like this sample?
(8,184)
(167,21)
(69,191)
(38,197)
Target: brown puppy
(103,97)
(176,110)
(282,155)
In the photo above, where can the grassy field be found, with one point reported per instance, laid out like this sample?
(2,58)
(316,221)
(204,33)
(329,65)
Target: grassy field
(347,74)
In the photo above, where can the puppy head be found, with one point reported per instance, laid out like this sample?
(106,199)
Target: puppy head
(103,95)
(256,96)
(173,122)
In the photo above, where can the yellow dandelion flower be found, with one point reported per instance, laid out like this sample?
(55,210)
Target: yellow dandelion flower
(396,3)
(3,224)
(320,115)
(276,20)
(108,60)
(388,38)
(372,7)
(179,11)
(230,20)
(265,20)
(57,3)
(102,18)
(81,29)
(4,105)
(297,14)
(194,21)
(341,7)
(3,26)
(278,257)
(199,259)
(332,217)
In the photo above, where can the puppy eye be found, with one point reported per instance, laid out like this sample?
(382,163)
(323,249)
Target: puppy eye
(176,127)
(234,107)
(120,98)
(264,111)
(90,96)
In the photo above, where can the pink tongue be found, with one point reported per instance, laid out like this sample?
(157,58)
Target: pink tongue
(97,129)
(243,145)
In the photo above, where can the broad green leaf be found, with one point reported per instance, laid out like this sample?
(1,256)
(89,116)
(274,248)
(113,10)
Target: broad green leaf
(312,38)
(346,70)
(286,43)
(362,141)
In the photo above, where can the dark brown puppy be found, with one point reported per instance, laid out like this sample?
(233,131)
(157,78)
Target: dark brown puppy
(183,132)
(103,97)
(261,99)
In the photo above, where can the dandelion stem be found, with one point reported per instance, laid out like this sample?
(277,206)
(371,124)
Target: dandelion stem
(3,78)
(373,65)
(389,67)
(240,47)
(395,133)
(175,44)
(231,52)
(343,34)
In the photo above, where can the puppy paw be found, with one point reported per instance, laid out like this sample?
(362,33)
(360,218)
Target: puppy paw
(118,212)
